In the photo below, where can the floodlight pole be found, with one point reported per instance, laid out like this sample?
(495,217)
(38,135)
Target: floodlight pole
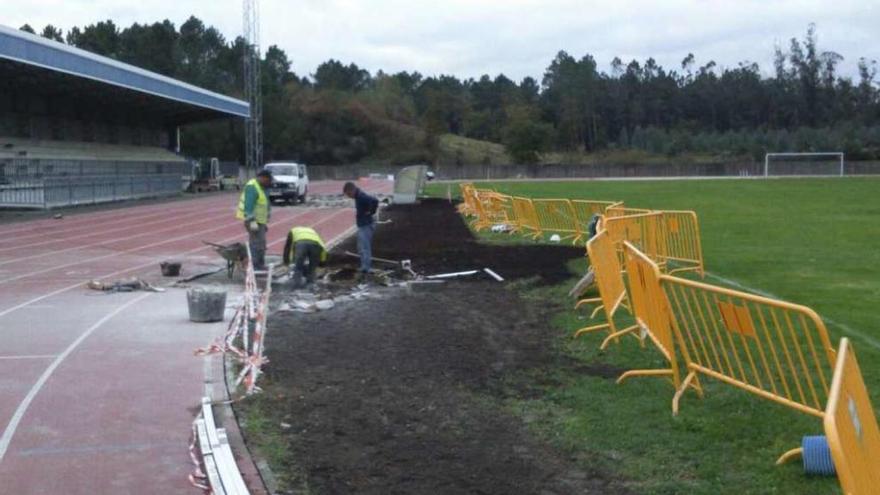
(253,129)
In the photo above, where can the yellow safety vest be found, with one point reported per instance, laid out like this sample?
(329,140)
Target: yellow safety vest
(308,234)
(261,209)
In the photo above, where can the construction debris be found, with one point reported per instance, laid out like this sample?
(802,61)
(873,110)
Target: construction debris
(124,285)
(453,275)
(493,275)
(583,284)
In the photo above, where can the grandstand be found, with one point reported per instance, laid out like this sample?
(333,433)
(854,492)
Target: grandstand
(78,128)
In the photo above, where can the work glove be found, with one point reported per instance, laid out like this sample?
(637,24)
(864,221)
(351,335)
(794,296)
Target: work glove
(253,226)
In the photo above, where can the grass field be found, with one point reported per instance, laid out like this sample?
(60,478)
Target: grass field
(811,241)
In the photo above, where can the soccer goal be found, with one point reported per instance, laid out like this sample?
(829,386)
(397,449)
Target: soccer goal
(825,163)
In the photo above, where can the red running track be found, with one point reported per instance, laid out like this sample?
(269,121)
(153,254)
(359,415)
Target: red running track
(97,392)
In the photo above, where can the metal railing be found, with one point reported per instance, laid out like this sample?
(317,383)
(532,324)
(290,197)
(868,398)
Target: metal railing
(56,192)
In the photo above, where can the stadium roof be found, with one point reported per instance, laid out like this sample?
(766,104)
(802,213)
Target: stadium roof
(41,53)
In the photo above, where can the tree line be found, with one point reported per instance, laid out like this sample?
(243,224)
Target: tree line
(342,113)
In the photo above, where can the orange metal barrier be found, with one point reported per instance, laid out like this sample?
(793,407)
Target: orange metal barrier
(851,427)
(490,208)
(525,217)
(643,230)
(776,350)
(557,216)
(612,292)
(468,196)
(585,209)
(652,313)
(619,210)
(682,247)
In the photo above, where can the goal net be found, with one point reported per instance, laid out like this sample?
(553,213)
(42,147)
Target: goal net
(825,163)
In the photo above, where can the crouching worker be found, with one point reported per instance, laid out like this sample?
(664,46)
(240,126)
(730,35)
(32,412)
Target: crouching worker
(306,251)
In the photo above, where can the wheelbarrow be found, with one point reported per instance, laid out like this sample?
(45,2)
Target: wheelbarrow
(235,254)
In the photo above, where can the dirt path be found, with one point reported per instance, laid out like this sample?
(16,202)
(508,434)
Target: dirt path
(405,394)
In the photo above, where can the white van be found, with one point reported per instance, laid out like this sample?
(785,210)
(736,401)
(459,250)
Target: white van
(290,182)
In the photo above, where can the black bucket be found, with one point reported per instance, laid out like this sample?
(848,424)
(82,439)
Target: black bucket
(170,268)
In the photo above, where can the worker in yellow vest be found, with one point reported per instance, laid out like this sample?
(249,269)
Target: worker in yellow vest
(253,209)
(306,250)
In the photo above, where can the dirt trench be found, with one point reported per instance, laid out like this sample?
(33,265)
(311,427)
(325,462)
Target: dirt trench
(405,394)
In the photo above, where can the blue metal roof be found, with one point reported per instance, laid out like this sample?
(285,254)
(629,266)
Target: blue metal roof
(37,51)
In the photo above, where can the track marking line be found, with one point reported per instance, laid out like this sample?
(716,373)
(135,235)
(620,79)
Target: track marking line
(148,264)
(133,223)
(124,251)
(111,241)
(117,215)
(35,389)
(38,356)
(847,330)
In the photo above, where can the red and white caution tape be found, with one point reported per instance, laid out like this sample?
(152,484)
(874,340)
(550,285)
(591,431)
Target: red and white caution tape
(251,313)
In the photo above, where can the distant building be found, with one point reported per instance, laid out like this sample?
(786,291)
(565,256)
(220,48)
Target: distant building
(78,128)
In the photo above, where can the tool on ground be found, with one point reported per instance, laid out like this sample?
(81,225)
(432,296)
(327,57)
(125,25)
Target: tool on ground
(403,264)
(125,285)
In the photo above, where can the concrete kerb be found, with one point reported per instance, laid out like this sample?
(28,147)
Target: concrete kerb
(219,392)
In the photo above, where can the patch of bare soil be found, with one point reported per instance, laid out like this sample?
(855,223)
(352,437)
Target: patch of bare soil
(404,394)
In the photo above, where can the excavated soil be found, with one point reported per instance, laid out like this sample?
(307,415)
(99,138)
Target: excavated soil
(405,394)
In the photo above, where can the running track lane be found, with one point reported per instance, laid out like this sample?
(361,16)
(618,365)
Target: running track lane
(97,392)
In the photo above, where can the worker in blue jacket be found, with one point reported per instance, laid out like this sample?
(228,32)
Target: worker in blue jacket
(365,206)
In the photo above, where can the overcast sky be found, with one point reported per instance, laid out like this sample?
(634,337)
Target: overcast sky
(468,38)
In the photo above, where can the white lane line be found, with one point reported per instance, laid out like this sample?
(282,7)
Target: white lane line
(79,219)
(177,224)
(26,402)
(847,330)
(133,224)
(50,227)
(115,254)
(150,263)
(37,356)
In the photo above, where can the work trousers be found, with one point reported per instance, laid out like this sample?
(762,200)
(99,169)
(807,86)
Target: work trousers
(257,243)
(365,246)
(305,261)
